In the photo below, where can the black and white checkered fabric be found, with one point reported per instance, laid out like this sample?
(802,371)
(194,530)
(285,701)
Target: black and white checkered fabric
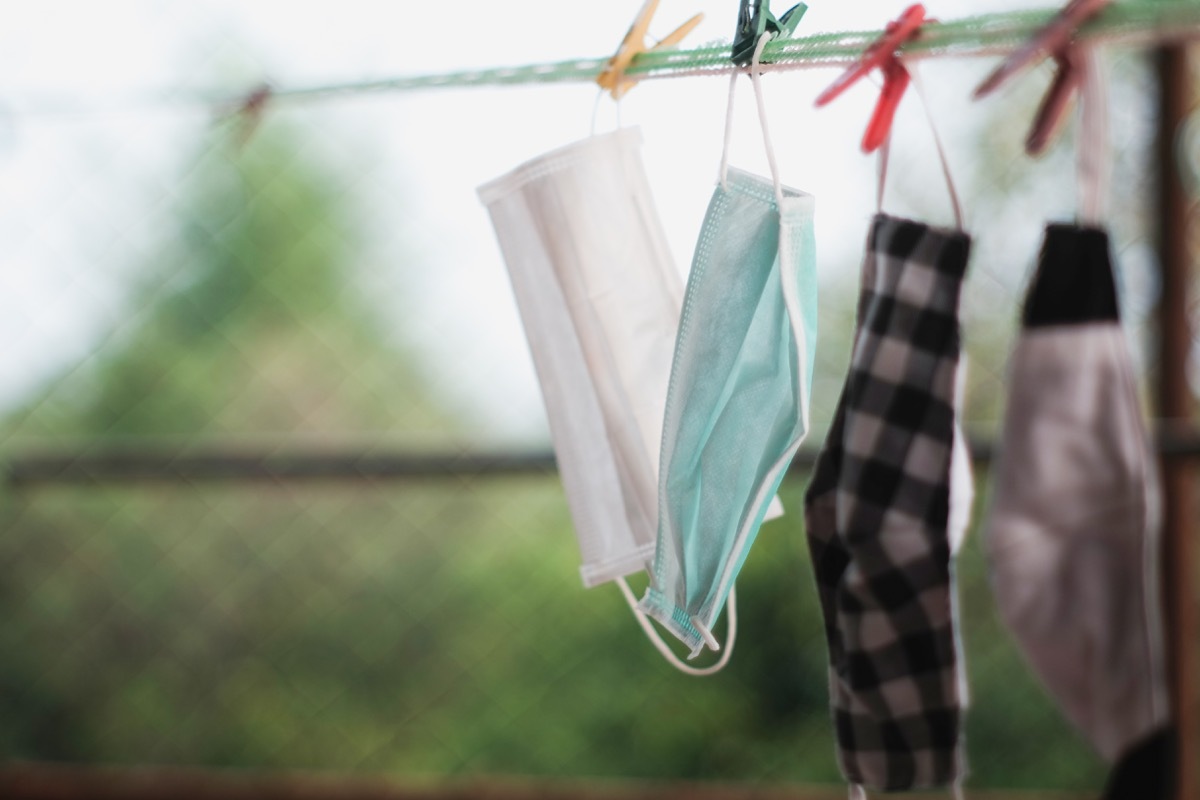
(878,516)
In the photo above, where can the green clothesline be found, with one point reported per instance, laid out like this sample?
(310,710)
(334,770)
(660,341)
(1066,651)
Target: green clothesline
(1145,21)
(1136,21)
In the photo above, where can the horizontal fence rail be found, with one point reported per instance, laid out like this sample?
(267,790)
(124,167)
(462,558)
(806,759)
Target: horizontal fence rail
(147,461)
(51,782)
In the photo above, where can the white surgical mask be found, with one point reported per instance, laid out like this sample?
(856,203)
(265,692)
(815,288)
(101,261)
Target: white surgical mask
(600,297)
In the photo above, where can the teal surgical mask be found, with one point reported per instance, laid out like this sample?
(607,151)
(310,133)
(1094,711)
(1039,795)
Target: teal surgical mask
(738,399)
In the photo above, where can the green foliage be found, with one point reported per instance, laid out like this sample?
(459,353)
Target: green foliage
(248,322)
(425,630)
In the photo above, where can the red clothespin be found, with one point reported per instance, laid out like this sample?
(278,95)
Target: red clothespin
(1056,40)
(247,113)
(612,77)
(882,54)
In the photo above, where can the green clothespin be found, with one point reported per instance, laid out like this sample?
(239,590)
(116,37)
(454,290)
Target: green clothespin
(754,19)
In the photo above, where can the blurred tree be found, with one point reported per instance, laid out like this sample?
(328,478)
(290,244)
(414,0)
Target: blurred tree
(424,628)
(249,321)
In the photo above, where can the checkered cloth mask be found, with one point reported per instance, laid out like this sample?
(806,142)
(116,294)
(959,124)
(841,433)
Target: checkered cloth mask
(885,510)
(1072,534)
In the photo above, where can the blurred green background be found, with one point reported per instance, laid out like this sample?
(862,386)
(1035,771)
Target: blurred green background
(429,627)
(436,626)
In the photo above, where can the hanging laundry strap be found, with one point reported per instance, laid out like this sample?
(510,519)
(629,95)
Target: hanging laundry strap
(884,153)
(723,173)
(919,86)
(666,652)
(596,112)
(756,81)
(1094,170)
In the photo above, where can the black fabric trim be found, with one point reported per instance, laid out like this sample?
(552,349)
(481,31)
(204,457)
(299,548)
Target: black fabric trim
(1147,770)
(1074,283)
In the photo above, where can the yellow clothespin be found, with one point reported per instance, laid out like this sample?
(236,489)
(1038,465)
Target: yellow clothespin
(613,77)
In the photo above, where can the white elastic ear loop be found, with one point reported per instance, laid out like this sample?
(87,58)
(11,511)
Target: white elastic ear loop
(661,646)
(756,80)
(885,151)
(724,173)
(941,151)
(596,111)
(1093,166)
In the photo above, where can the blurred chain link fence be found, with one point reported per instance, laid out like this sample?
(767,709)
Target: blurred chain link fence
(421,625)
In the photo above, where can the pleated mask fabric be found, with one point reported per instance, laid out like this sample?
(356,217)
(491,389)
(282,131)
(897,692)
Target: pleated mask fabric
(600,297)
(1072,535)
(737,407)
(884,515)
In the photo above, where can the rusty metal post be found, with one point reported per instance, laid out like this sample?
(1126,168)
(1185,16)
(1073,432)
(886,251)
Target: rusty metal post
(1175,403)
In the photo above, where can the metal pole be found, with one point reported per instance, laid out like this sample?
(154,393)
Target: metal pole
(89,464)
(1175,405)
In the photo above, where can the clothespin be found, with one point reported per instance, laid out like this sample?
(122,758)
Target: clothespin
(754,19)
(1056,40)
(248,113)
(881,54)
(612,78)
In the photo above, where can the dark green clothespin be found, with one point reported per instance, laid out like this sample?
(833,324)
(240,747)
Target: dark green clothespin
(754,19)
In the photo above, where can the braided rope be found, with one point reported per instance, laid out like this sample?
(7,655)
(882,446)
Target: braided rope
(1135,22)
